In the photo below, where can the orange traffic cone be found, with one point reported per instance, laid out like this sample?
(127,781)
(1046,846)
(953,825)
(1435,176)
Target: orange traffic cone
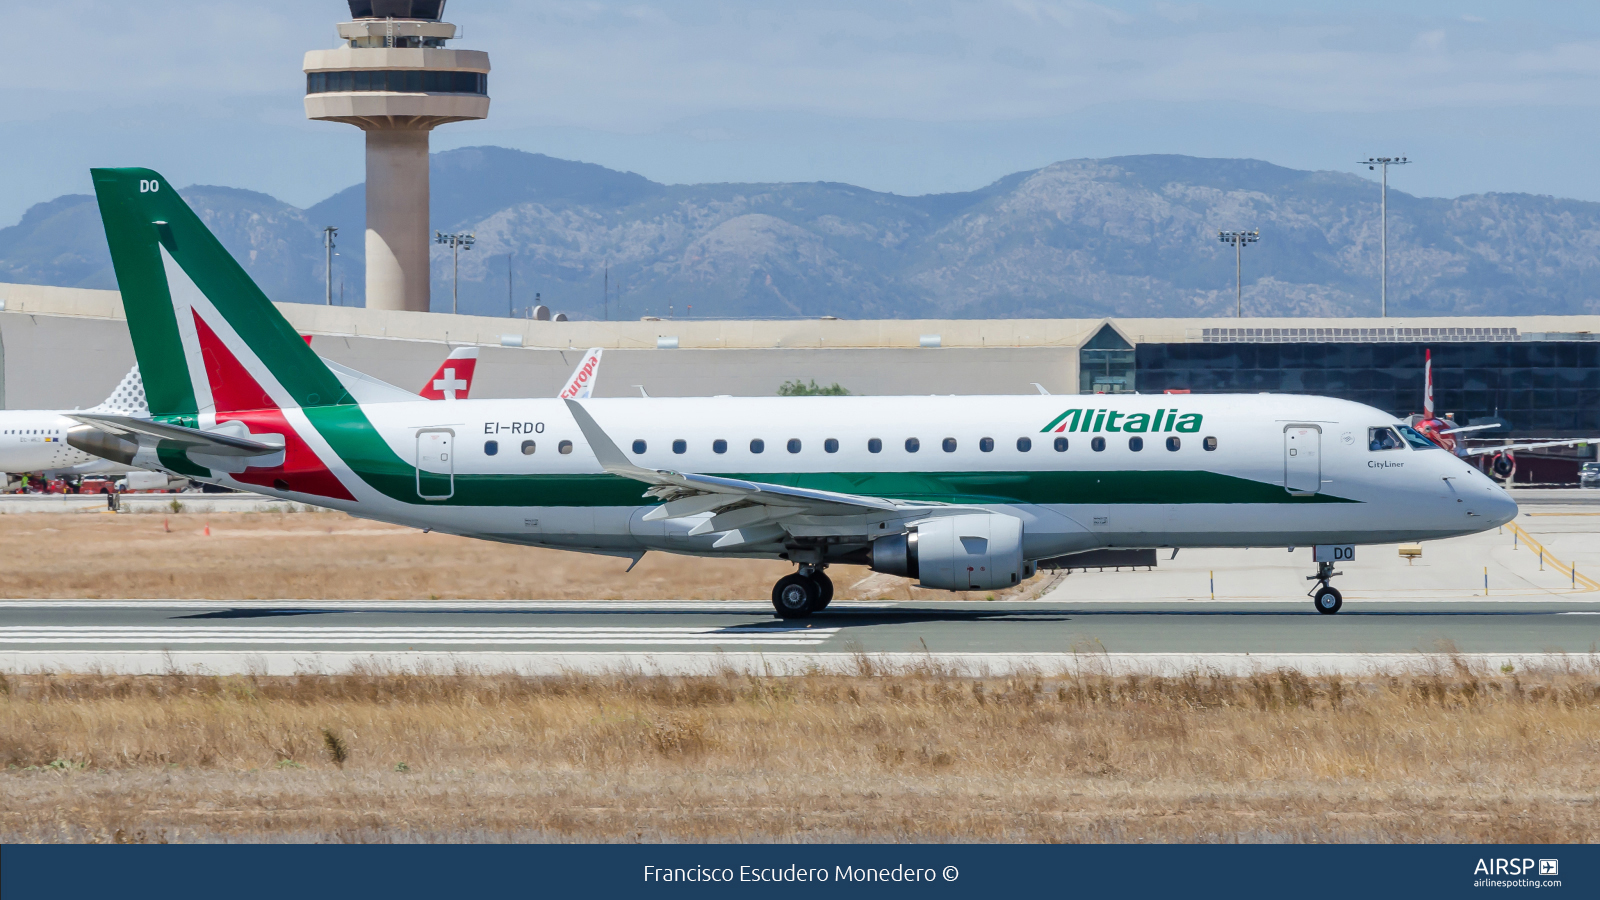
(166,525)
(208,529)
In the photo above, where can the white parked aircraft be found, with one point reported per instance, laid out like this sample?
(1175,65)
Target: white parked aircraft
(39,440)
(961,493)
(35,440)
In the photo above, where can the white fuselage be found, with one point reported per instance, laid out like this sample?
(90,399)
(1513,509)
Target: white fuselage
(35,441)
(1339,491)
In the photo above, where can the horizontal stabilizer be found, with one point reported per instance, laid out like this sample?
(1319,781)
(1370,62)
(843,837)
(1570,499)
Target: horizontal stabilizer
(211,443)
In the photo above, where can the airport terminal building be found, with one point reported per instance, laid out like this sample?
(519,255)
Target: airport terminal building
(1538,375)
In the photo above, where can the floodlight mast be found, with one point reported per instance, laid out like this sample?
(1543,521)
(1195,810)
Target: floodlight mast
(1373,162)
(328,235)
(1238,239)
(455,241)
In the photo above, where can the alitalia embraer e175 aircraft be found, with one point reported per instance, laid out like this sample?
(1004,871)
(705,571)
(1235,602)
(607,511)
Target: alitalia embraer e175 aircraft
(960,493)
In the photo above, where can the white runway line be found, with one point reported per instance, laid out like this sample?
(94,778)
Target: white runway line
(411,636)
(754,606)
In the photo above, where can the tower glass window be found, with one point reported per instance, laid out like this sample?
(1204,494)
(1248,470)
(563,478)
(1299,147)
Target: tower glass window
(398,81)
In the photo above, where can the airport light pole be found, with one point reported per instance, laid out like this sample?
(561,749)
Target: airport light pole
(455,242)
(1238,239)
(327,251)
(1374,162)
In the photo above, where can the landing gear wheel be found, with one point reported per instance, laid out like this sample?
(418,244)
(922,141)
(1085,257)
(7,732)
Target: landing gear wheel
(825,587)
(1328,600)
(795,596)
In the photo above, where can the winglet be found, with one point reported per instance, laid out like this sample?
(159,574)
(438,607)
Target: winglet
(605,450)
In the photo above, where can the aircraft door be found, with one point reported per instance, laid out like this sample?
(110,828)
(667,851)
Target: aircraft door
(436,464)
(1302,459)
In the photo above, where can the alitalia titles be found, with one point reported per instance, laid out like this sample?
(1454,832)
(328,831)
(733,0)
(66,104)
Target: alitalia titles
(1098,420)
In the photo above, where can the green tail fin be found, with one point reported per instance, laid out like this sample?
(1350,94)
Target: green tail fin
(185,297)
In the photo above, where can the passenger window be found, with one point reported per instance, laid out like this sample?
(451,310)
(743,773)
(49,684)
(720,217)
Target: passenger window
(1173,444)
(1097,444)
(986,445)
(527,448)
(913,445)
(794,445)
(949,445)
(719,446)
(874,446)
(1136,444)
(1061,445)
(639,446)
(1416,440)
(1209,443)
(1024,444)
(680,446)
(830,445)
(490,448)
(1383,439)
(757,445)
(564,447)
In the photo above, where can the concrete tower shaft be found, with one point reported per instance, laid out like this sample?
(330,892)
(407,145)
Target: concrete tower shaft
(394,79)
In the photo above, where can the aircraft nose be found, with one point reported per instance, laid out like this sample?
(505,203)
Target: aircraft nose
(1500,507)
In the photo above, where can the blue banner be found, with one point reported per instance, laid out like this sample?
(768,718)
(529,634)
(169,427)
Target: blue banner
(1010,871)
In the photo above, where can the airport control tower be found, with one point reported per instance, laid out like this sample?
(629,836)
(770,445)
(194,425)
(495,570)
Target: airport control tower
(394,79)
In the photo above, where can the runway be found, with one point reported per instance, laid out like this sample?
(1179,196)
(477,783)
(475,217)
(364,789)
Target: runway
(690,637)
(1224,610)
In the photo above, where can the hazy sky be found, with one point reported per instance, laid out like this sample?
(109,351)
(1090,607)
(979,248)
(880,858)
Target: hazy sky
(912,97)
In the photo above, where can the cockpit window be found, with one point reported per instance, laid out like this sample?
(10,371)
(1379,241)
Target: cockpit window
(1383,439)
(1417,441)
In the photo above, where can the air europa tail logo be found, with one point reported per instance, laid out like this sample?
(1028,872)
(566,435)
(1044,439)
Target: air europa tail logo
(1096,420)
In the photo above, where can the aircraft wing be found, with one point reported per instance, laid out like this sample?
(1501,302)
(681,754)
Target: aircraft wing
(748,511)
(211,443)
(1484,451)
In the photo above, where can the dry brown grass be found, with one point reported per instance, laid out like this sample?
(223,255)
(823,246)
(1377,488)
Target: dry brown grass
(926,756)
(332,556)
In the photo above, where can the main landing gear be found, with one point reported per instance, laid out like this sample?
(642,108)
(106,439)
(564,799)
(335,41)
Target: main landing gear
(803,593)
(1325,596)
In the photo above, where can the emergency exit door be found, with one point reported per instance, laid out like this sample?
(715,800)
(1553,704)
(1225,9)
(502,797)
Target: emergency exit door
(1302,459)
(436,464)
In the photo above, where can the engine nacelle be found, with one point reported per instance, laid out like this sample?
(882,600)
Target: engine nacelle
(95,442)
(977,552)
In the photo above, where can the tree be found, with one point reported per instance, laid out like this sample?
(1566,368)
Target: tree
(798,388)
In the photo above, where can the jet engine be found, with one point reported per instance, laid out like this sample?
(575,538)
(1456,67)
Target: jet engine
(977,552)
(95,442)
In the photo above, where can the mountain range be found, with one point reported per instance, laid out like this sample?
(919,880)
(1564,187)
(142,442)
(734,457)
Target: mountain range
(1127,236)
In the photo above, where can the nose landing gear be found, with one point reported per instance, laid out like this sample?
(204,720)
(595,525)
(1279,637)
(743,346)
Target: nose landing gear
(1325,596)
(805,592)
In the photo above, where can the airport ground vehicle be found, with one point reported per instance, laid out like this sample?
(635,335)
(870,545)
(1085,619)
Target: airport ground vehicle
(1589,475)
(963,493)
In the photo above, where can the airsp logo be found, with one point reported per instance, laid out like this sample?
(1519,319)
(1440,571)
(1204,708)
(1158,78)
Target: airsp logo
(1515,867)
(149,186)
